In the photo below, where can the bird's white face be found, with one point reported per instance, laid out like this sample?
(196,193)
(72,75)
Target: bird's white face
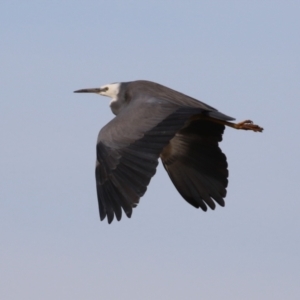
(110,90)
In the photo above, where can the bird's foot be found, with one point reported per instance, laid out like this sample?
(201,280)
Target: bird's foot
(248,125)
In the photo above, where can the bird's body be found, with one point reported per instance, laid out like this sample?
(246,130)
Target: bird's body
(152,122)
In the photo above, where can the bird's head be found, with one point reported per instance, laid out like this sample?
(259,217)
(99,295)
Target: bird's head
(108,90)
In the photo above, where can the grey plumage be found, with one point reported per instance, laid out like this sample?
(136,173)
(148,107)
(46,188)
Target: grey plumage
(152,122)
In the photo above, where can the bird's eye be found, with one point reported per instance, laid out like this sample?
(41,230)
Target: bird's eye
(105,89)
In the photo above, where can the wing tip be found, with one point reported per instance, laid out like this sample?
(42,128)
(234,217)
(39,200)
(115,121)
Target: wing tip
(110,217)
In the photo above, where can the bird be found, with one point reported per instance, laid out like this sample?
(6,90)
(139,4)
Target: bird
(155,122)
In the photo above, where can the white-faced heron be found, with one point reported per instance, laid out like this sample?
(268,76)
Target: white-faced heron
(152,122)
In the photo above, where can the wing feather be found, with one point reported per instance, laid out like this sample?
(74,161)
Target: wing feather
(196,164)
(128,153)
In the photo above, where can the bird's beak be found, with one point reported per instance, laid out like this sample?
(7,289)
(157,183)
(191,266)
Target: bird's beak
(97,91)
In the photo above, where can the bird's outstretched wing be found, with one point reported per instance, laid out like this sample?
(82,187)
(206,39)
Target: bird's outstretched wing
(196,164)
(128,149)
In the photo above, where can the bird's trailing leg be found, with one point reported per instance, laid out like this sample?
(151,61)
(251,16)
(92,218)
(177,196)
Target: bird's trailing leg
(245,125)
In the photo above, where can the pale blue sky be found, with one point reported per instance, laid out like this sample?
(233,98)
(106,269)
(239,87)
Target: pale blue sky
(242,57)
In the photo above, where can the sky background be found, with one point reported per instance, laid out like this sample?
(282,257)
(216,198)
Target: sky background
(242,57)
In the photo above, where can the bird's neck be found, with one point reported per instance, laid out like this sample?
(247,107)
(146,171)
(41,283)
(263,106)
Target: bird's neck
(116,105)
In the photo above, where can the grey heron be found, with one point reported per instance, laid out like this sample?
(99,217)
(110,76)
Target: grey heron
(152,122)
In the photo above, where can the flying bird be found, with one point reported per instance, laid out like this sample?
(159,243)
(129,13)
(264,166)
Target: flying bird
(153,121)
